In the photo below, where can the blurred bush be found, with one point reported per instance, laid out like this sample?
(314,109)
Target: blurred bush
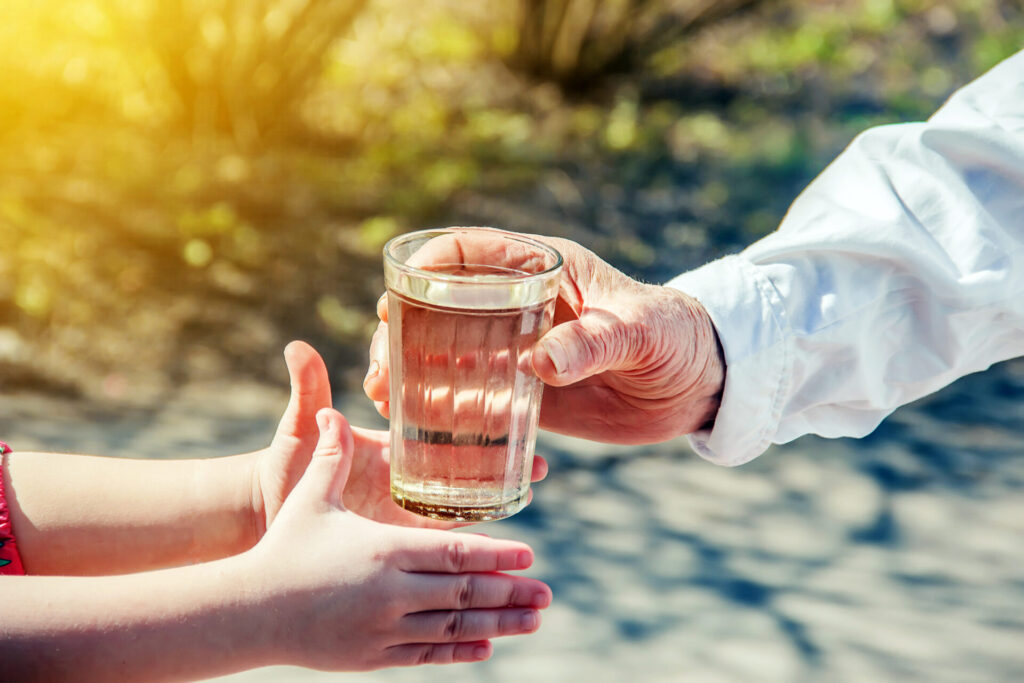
(185,185)
(581,43)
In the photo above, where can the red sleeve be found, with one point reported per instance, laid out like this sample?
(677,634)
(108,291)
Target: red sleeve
(10,560)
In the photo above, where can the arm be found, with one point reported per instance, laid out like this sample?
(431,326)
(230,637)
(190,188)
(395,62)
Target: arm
(84,515)
(900,269)
(324,588)
(180,623)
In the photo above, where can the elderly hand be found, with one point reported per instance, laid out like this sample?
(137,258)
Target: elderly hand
(625,362)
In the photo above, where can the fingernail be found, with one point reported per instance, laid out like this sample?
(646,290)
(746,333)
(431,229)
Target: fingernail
(529,621)
(372,372)
(556,352)
(539,600)
(480,652)
(524,559)
(321,421)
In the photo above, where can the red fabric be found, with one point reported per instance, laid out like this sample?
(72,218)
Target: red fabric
(10,560)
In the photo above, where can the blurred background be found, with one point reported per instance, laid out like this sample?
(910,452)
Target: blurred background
(187,185)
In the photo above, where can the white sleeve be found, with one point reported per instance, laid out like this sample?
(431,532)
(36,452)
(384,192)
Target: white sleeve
(898,270)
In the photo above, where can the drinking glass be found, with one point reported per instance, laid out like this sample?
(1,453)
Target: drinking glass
(465,308)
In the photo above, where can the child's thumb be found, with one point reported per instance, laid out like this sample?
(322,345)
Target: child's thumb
(310,391)
(331,463)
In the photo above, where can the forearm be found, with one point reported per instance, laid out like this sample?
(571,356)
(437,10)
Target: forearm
(85,515)
(176,624)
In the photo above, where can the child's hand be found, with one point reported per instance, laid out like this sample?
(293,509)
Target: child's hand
(347,593)
(368,492)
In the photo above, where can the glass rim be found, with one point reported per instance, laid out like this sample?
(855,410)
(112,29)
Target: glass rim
(392,261)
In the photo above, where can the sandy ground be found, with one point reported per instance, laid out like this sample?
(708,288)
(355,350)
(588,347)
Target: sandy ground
(899,557)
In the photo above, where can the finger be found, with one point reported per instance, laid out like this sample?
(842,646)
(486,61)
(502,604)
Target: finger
(459,626)
(373,439)
(371,456)
(376,383)
(600,340)
(431,550)
(463,246)
(582,268)
(476,591)
(540,468)
(328,470)
(445,653)
(382,307)
(310,391)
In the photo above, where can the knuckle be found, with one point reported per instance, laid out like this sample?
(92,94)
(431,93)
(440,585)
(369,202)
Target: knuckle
(384,555)
(328,449)
(510,595)
(636,337)
(454,626)
(579,344)
(434,654)
(465,591)
(427,654)
(598,347)
(379,347)
(457,556)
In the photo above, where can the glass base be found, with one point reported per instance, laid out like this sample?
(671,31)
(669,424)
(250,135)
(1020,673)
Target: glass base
(447,509)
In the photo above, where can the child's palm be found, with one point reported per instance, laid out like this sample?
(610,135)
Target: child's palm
(384,595)
(368,490)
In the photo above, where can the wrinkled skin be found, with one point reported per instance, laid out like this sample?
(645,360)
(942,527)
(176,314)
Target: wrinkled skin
(625,362)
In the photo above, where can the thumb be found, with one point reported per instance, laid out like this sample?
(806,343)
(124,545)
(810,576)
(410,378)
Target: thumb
(597,342)
(328,469)
(310,391)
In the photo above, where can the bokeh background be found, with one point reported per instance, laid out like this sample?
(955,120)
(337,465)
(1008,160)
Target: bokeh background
(187,185)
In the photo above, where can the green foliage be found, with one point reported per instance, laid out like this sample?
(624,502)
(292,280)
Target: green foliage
(177,174)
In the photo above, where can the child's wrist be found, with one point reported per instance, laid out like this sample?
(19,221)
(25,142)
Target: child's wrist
(256,512)
(224,486)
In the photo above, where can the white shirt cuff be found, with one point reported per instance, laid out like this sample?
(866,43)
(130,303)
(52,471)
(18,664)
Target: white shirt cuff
(751,322)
